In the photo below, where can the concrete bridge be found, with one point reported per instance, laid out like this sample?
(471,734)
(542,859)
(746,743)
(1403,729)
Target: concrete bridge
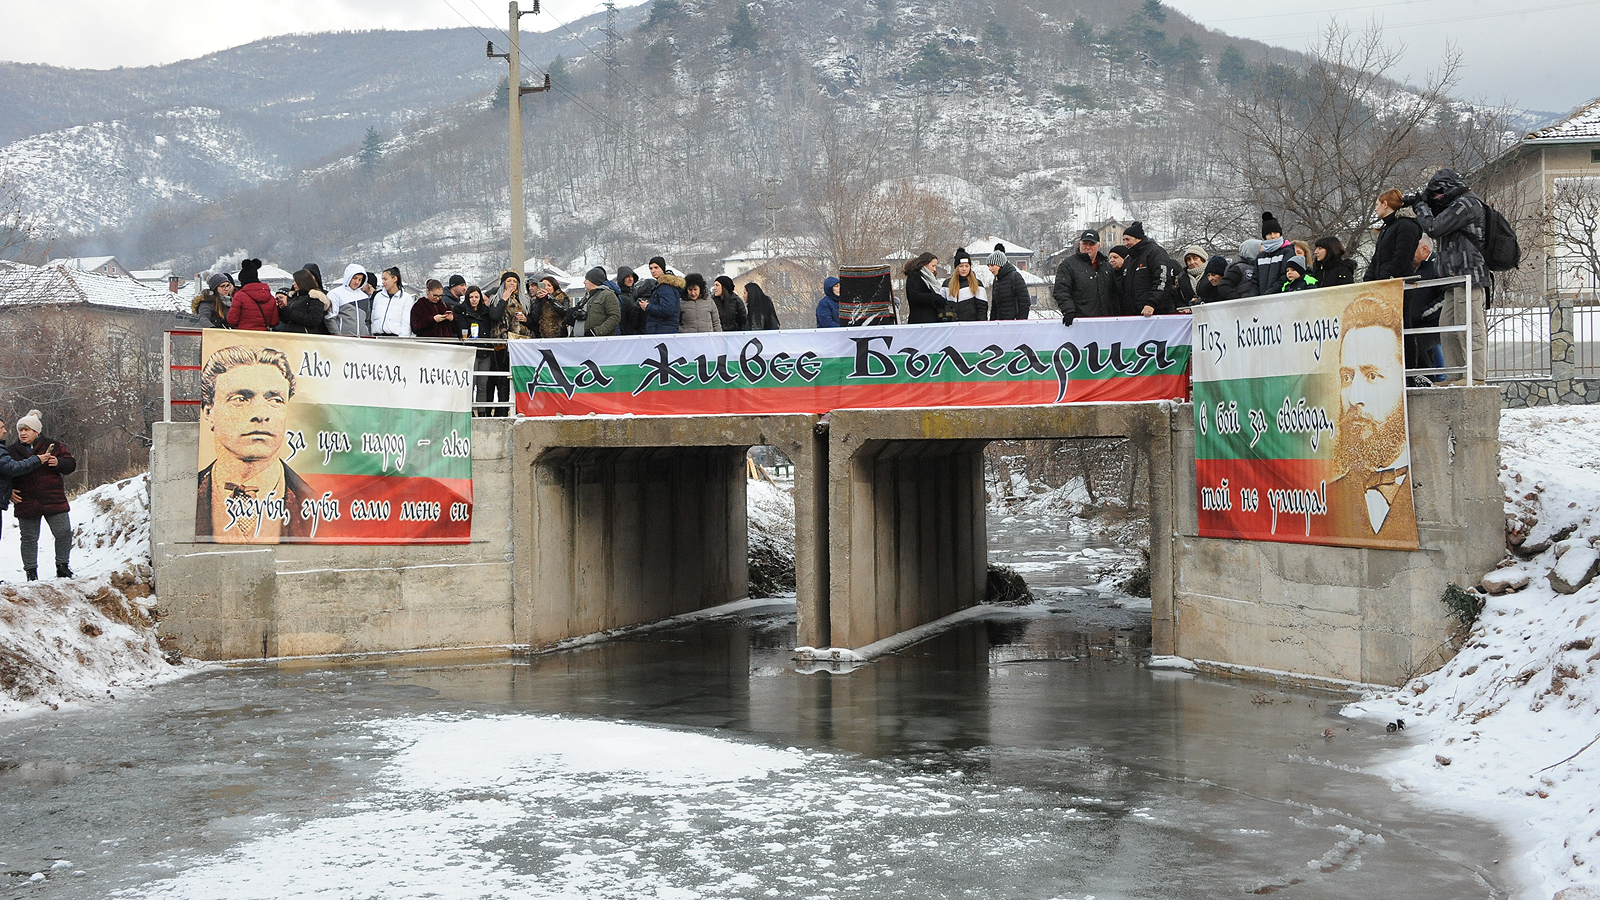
(585,524)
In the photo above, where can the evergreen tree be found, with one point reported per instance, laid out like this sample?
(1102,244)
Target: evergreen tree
(742,31)
(1186,60)
(663,12)
(659,58)
(501,99)
(371,148)
(1231,67)
(1154,10)
(1082,32)
(560,77)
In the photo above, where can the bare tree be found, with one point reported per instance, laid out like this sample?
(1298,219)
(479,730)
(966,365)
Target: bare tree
(23,236)
(1570,226)
(1318,146)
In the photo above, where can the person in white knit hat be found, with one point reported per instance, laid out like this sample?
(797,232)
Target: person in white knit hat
(41,494)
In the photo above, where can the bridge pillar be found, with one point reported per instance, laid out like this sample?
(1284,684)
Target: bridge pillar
(623,520)
(908,540)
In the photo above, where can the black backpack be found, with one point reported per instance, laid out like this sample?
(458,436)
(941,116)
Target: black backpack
(1501,253)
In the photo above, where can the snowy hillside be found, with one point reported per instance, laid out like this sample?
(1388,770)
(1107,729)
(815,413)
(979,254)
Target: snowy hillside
(109,174)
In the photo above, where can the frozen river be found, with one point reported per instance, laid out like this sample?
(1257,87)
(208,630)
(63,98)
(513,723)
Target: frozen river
(1025,757)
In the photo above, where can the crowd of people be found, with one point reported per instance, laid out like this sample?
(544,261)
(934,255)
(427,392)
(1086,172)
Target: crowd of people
(1437,232)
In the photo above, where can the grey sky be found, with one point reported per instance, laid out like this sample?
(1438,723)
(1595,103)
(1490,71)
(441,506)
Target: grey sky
(1536,55)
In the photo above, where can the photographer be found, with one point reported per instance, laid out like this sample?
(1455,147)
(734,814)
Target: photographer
(1454,217)
(599,313)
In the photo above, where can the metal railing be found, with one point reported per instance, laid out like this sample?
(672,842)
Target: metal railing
(1585,332)
(1517,339)
(187,392)
(1465,329)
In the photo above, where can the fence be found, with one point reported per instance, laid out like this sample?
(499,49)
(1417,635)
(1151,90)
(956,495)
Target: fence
(1544,350)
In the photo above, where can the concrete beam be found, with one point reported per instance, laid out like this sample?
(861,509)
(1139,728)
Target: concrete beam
(622,520)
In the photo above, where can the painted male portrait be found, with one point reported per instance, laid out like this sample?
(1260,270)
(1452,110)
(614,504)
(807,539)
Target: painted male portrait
(248,494)
(1370,497)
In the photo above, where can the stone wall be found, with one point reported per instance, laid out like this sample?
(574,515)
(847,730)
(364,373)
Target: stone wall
(1563,386)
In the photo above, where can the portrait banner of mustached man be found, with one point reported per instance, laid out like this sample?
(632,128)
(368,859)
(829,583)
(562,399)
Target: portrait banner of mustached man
(311,439)
(1300,418)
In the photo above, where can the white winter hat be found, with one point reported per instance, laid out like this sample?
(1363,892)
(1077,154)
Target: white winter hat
(31,420)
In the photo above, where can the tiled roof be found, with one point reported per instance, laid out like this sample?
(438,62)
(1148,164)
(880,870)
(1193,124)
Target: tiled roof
(1584,124)
(86,263)
(23,284)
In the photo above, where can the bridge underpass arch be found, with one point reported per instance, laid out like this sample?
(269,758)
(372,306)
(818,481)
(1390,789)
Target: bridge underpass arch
(907,529)
(619,521)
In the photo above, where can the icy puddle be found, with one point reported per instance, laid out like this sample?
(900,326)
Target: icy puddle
(1025,758)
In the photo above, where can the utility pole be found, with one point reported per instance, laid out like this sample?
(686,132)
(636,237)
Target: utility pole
(519,218)
(611,52)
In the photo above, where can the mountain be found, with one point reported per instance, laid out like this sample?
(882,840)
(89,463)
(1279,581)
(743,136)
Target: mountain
(95,149)
(868,126)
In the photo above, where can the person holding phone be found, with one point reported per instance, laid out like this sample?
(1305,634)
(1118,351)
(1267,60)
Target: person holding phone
(42,494)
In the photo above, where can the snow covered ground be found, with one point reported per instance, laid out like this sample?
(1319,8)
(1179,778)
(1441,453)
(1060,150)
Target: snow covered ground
(88,637)
(1510,728)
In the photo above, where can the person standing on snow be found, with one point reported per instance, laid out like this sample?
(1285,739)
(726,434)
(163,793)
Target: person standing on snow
(12,469)
(41,494)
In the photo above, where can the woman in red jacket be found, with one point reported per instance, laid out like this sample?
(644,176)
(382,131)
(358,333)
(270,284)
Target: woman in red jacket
(42,494)
(254,308)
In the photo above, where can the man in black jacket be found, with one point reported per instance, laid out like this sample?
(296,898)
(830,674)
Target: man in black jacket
(1152,276)
(1397,242)
(1085,282)
(1008,295)
(1450,213)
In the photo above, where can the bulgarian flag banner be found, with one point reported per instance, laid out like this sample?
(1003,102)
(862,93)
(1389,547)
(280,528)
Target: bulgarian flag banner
(1300,418)
(1016,363)
(333,440)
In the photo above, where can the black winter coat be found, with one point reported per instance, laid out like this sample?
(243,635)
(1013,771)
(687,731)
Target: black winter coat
(732,311)
(1238,281)
(1396,252)
(1008,296)
(1454,217)
(1270,268)
(1333,274)
(763,316)
(924,302)
(1150,280)
(1085,287)
(633,317)
(304,314)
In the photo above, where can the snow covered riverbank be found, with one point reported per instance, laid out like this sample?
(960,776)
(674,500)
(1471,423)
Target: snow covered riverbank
(1509,727)
(91,637)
